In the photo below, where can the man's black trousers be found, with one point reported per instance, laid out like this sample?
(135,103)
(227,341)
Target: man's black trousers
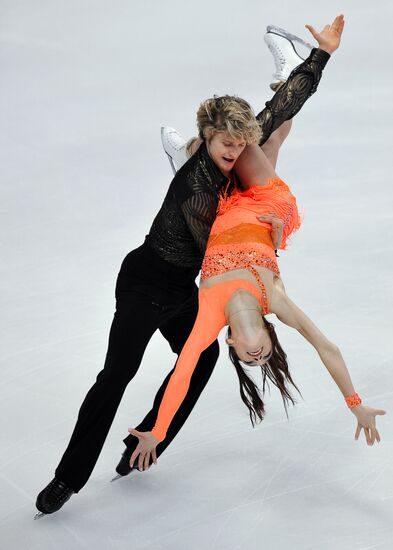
(151,294)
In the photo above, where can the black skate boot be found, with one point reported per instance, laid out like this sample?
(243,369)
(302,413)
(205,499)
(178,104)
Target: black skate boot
(124,468)
(52,498)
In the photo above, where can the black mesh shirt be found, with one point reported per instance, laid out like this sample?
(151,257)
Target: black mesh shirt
(180,230)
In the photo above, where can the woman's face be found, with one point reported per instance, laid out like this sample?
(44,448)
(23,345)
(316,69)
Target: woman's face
(224,150)
(253,345)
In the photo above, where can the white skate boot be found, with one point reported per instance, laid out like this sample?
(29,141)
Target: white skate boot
(282,45)
(175,146)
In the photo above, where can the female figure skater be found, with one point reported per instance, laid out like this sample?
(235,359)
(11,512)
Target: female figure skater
(155,288)
(240,284)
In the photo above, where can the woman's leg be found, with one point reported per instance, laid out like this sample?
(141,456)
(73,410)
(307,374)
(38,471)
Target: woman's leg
(253,167)
(272,146)
(288,99)
(257,163)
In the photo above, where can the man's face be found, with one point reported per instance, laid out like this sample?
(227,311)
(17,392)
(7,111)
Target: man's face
(224,150)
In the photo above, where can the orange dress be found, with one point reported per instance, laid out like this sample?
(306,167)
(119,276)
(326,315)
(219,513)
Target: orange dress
(237,240)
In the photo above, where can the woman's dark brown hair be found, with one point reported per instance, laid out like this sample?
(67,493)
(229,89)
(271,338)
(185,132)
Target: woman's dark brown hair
(275,369)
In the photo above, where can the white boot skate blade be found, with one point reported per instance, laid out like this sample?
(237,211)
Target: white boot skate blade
(171,163)
(39,515)
(283,32)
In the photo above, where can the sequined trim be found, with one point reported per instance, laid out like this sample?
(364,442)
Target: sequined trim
(264,302)
(223,259)
(219,259)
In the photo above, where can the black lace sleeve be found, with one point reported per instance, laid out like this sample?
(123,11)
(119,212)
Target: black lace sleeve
(290,98)
(200,212)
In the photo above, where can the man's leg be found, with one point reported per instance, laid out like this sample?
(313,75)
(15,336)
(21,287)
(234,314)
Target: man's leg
(134,323)
(176,331)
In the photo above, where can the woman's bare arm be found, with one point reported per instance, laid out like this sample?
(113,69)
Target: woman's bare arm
(290,314)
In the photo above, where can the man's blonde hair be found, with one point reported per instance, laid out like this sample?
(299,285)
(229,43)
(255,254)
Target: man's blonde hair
(230,114)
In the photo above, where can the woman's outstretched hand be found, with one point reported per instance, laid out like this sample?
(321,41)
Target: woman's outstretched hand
(146,446)
(329,37)
(366,421)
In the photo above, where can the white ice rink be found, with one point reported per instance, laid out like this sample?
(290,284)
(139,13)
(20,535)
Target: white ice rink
(85,87)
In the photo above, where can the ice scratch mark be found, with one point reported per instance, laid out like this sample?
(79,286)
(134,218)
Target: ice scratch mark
(366,475)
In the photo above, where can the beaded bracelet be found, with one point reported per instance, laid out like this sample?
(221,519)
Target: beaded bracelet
(353,400)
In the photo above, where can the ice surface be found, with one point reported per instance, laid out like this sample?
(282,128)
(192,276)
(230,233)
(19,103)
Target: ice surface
(85,87)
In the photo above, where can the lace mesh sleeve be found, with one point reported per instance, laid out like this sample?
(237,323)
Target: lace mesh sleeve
(200,212)
(290,98)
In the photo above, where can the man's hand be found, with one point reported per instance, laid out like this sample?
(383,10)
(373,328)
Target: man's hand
(146,446)
(329,37)
(277,227)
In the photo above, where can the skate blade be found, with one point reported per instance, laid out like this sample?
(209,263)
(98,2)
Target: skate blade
(39,515)
(292,37)
(171,163)
(116,477)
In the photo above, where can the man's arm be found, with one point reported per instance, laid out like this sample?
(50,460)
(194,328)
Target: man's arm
(199,211)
